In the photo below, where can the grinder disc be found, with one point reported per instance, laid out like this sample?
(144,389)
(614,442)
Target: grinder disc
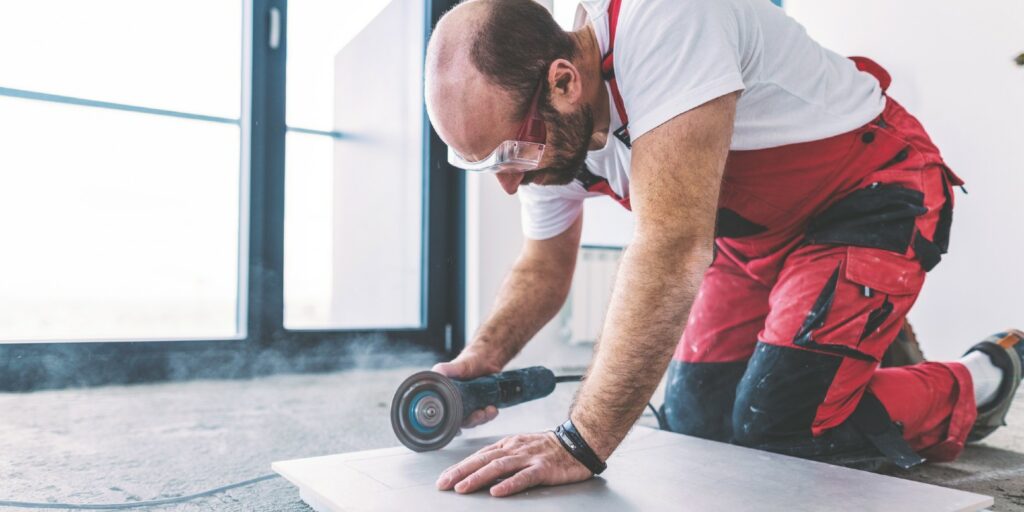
(426,412)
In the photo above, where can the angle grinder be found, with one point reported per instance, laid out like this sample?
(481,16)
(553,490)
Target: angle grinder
(429,408)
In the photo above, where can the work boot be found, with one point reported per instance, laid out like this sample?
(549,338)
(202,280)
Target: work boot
(1006,350)
(904,350)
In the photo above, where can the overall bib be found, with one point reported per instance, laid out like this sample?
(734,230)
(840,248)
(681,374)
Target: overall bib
(821,249)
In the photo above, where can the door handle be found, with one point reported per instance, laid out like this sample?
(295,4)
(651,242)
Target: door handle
(1020,60)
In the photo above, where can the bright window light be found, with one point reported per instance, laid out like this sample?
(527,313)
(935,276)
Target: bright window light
(120,225)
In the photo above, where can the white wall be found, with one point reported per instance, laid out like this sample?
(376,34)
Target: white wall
(606,223)
(493,240)
(951,63)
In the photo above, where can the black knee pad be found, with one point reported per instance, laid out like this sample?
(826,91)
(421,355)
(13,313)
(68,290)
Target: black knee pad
(779,394)
(699,398)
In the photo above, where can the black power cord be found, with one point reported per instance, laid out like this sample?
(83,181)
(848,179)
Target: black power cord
(576,378)
(138,504)
(568,378)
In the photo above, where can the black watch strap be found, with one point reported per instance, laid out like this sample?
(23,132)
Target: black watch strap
(574,443)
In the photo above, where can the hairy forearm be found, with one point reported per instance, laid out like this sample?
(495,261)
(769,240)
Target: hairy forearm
(528,299)
(655,287)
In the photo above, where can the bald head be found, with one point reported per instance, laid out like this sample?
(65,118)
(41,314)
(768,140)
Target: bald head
(458,95)
(484,61)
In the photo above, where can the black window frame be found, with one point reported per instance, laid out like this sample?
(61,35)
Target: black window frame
(268,346)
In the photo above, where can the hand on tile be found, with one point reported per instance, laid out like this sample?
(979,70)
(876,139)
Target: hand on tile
(524,461)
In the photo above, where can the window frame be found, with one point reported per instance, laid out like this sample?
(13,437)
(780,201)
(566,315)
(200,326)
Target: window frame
(29,366)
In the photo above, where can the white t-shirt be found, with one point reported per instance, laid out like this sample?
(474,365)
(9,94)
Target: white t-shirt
(674,55)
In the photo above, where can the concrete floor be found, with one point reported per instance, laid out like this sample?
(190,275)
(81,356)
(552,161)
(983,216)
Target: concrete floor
(143,442)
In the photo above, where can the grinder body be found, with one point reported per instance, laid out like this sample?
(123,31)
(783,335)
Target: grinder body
(428,408)
(505,389)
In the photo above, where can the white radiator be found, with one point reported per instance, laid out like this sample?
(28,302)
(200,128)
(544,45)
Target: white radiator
(584,311)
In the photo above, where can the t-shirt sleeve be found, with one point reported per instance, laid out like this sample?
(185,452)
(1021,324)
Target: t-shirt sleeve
(674,55)
(547,211)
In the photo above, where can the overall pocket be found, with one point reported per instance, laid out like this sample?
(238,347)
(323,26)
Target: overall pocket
(862,304)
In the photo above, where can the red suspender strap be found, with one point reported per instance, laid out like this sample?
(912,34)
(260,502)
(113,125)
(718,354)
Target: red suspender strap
(613,21)
(608,72)
(874,69)
(589,180)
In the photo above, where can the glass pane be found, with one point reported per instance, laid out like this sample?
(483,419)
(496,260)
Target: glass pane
(116,225)
(308,242)
(317,29)
(183,55)
(354,220)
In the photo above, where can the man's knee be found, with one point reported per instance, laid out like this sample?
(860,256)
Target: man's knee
(699,398)
(779,395)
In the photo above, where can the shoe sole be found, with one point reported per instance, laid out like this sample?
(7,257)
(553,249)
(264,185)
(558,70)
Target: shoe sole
(1004,356)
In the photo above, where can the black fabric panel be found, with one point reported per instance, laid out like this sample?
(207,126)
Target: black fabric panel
(776,402)
(876,318)
(844,445)
(880,216)
(874,422)
(699,398)
(927,252)
(865,441)
(779,394)
(733,225)
(942,229)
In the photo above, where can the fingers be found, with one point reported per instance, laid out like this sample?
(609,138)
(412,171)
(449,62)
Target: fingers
(524,461)
(519,482)
(494,470)
(481,416)
(470,465)
(455,369)
(469,365)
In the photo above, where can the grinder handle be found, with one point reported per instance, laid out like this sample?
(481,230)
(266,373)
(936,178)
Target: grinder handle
(505,389)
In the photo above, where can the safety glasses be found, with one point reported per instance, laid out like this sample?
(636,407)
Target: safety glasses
(512,156)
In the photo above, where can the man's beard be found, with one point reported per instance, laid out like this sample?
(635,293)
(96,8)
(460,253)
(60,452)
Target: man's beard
(568,141)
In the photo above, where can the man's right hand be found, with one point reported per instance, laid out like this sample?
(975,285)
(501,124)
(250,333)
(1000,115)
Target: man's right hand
(469,365)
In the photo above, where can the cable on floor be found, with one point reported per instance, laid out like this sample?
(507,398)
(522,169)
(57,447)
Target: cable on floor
(211,492)
(576,378)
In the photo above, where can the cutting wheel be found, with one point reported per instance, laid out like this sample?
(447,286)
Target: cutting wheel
(426,412)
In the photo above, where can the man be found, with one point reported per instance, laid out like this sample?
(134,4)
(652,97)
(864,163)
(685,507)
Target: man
(786,214)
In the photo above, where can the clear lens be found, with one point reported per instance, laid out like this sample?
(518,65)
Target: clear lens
(510,156)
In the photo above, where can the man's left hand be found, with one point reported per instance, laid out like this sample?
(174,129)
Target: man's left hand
(523,461)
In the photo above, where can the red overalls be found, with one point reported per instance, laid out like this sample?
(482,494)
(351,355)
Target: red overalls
(821,250)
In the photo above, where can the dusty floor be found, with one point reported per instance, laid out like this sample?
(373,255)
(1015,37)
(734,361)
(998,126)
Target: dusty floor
(144,442)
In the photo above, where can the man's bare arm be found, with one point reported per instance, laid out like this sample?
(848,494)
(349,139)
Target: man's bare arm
(676,175)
